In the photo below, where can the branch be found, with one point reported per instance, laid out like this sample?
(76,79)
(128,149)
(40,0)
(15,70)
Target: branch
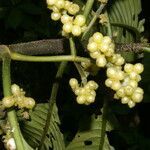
(56,46)
(52,101)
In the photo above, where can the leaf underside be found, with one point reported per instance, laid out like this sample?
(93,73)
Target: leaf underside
(32,130)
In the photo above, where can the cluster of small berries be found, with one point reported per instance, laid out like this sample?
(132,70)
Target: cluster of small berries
(18,99)
(125,83)
(101,48)
(85,94)
(65,11)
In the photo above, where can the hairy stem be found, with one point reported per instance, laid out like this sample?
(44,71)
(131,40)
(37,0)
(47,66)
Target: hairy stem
(11,114)
(20,57)
(93,20)
(52,101)
(104,123)
(88,7)
(72,47)
(109,31)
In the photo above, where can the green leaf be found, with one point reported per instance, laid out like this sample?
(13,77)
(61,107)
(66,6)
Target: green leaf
(89,134)
(32,130)
(123,16)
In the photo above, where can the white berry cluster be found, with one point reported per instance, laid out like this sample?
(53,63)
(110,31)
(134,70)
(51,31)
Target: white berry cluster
(18,98)
(125,83)
(86,94)
(65,11)
(102,48)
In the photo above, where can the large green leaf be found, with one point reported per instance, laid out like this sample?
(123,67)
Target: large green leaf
(89,135)
(124,17)
(33,130)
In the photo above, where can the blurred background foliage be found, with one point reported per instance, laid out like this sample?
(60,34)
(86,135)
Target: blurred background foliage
(22,21)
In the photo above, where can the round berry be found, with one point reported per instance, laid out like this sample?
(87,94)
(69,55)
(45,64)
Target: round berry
(125,100)
(15,89)
(121,92)
(90,98)
(29,102)
(66,18)
(55,16)
(73,83)
(8,101)
(131,104)
(60,4)
(116,85)
(81,99)
(73,9)
(128,68)
(97,37)
(51,2)
(67,27)
(76,30)
(129,90)
(79,20)
(106,40)
(95,54)
(137,97)
(92,47)
(138,68)
(111,72)
(101,61)
(108,82)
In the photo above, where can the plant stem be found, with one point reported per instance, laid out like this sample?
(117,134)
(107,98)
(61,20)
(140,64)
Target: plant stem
(146,49)
(11,114)
(52,101)
(109,31)
(93,20)
(104,123)
(88,7)
(82,73)
(20,57)
(72,47)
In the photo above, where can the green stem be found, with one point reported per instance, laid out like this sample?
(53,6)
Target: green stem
(104,123)
(146,49)
(109,31)
(52,101)
(93,20)
(21,57)
(72,47)
(82,73)
(88,7)
(11,114)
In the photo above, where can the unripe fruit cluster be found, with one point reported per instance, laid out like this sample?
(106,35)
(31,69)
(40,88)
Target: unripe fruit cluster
(85,94)
(125,83)
(62,10)
(18,99)
(102,48)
